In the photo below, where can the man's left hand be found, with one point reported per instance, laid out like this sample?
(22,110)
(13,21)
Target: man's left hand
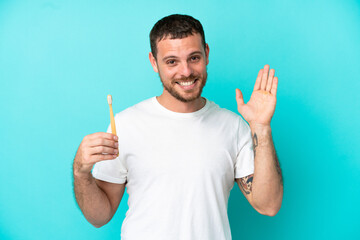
(261,106)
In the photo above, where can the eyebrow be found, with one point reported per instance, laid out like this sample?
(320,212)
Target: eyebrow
(193,53)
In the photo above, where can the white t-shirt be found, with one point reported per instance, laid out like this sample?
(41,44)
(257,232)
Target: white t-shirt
(179,169)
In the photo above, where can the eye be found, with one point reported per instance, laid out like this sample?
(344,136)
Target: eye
(195,58)
(170,62)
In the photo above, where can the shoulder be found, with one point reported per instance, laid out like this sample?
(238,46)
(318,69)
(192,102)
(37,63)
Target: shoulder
(228,119)
(223,113)
(135,110)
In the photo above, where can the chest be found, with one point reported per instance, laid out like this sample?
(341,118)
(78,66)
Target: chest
(188,149)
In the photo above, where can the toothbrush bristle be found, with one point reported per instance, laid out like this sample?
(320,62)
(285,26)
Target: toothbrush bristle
(109,98)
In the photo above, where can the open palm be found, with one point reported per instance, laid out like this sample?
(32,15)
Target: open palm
(261,106)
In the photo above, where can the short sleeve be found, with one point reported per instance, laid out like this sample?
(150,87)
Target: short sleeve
(244,165)
(113,171)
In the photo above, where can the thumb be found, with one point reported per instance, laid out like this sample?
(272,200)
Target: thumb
(239,97)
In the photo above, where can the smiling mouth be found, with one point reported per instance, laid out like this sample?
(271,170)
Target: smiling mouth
(187,83)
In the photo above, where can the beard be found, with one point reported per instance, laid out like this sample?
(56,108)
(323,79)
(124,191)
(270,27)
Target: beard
(191,95)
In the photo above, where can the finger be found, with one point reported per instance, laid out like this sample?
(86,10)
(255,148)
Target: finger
(239,97)
(274,86)
(258,80)
(103,135)
(264,77)
(103,142)
(270,79)
(102,157)
(102,150)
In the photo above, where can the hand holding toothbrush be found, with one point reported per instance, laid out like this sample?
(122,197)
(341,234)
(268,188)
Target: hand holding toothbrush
(96,147)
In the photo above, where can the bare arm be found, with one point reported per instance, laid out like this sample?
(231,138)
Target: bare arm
(263,189)
(98,200)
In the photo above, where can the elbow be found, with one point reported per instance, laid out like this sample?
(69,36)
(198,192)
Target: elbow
(270,213)
(97,225)
(273,207)
(270,210)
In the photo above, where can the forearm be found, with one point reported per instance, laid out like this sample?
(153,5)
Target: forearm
(92,201)
(267,186)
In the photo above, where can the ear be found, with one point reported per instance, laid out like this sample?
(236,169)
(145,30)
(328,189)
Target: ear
(153,62)
(207,50)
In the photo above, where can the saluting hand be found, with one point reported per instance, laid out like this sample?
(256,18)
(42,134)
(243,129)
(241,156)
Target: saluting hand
(261,106)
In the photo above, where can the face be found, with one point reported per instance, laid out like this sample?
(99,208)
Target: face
(181,64)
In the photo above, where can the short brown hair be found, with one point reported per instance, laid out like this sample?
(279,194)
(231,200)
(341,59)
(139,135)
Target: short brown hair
(176,26)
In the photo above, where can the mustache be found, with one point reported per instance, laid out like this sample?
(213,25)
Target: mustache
(189,78)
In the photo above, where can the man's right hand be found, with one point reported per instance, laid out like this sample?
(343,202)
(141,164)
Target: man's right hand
(98,200)
(94,148)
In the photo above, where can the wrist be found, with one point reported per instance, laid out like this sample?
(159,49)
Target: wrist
(261,134)
(260,128)
(83,178)
(81,173)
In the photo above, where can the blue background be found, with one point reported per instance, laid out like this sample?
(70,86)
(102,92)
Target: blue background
(60,59)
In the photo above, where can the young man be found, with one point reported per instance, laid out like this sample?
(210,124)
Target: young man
(179,153)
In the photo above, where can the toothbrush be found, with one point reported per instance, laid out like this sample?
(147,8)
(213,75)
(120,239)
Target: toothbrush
(112,120)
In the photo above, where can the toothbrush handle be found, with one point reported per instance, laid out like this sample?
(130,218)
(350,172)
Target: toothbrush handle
(112,120)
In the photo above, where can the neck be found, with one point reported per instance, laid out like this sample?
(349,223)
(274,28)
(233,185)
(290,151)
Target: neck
(175,105)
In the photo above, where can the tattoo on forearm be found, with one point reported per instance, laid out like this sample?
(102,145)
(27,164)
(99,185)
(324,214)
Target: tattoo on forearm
(255,140)
(246,184)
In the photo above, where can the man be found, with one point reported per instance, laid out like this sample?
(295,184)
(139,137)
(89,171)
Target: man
(179,153)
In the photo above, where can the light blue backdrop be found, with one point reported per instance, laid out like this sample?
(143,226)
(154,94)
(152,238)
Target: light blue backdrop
(59,60)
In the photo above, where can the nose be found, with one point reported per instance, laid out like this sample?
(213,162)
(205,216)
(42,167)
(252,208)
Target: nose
(185,70)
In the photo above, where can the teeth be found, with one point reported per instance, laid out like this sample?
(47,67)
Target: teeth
(186,83)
